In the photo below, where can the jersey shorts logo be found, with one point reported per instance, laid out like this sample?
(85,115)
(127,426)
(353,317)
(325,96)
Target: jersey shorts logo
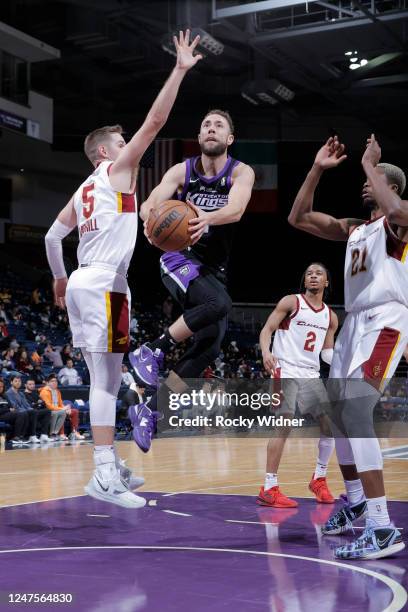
(184,270)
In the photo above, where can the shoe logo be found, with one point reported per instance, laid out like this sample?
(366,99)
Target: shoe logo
(143,422)
(383,543)
(101,485)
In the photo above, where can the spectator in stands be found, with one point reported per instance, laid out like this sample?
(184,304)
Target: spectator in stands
(18,400)
(127,377)
(68,353)
(52,398)
(134,395)
(53,355)
(69,375)
(37,375)
(36,358)
(4,332)
(53,402)
(8,361)
(44,415)
(5,295)
(3,314)
(18,421)
(23,363)
(133,322)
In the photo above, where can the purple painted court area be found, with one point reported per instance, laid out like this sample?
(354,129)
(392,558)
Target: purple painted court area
(189,552)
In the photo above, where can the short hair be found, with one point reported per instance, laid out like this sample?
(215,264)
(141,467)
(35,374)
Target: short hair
(14,376)
(98,137)
(395,176)
(327,289)
(51,377)
(223,113)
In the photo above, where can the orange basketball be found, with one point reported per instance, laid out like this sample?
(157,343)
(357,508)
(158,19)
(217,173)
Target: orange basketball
(167,225)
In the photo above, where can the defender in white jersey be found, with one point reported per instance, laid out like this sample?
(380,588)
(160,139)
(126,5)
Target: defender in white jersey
(372,339)
(304,329)
(97,295)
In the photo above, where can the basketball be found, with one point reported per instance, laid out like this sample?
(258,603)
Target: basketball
(168,225)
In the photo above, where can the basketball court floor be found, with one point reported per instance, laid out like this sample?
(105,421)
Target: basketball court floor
(201,542)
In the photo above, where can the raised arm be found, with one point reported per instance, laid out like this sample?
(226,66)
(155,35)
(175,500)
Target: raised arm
(284,308)
(302,216)
(395,209)
(240,193)
(122,169)
(168,186)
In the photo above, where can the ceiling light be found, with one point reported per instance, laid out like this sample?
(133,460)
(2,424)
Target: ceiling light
(348,53)
(207,41)
(354,66)
(249,99)
(266,98)
(353,59)
(363,62)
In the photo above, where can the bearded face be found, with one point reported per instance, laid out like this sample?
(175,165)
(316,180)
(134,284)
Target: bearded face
(214,137)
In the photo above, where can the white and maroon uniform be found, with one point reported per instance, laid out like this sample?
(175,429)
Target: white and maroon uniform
(297,345)
(98,297)
(375,332)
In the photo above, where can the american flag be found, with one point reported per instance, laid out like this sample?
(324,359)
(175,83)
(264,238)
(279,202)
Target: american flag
(158,158)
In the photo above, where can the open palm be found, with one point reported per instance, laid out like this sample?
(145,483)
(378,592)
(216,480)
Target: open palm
(331,154)
(185,57)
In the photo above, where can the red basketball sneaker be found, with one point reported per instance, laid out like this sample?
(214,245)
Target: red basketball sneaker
(319,487)
(274,498)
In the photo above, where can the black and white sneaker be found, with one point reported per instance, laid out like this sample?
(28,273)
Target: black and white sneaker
(342,521)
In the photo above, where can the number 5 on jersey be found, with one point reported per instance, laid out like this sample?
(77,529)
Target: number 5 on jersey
(88,200)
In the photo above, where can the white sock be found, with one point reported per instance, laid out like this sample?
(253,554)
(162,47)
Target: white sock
(354,490)
(104,459)
(378,511)
(271,480)
(326,447)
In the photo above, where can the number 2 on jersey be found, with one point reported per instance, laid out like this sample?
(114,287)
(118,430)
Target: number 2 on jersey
(358,259)
(88,200)
(310,342)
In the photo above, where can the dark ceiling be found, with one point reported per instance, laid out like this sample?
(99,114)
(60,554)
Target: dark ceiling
(112,64)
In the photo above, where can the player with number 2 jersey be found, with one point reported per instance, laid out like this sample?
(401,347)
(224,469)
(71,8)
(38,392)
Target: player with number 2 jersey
(304,329)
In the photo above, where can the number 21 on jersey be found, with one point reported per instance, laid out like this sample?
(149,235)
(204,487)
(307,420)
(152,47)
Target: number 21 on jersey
(358,261)
(88,200)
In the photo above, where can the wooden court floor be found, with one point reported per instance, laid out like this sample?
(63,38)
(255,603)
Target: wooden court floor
(202,464)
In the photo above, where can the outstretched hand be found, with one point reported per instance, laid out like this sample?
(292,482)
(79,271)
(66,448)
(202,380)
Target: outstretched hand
(372,154)
(331,154)
(185,57)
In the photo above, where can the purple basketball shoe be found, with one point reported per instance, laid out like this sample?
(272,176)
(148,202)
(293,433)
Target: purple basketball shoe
(146,364)
(144,425)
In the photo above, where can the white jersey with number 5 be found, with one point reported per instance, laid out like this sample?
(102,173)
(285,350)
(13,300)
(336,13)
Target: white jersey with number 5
(300,337)
(107,221)
(376,270)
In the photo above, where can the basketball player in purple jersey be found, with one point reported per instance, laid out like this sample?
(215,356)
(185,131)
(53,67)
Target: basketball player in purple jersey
(220,188)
